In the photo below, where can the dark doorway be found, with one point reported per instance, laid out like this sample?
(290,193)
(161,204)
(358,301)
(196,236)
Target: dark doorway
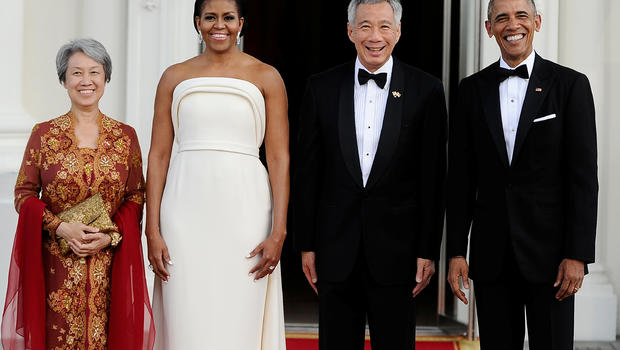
(301,38)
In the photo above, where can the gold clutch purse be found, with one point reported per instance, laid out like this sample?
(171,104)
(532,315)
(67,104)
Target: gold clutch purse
(91,212)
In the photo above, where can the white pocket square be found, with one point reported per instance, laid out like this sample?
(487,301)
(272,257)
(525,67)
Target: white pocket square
(547,117)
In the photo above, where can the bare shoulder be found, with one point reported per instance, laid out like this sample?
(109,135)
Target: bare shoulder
(263,75)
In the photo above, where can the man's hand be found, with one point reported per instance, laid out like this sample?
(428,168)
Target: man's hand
(426,269)
(570,278)
(459,269)
(309,266)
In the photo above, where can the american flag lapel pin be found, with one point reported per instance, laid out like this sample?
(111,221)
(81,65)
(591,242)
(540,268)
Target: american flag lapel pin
(396,94)
(538,89)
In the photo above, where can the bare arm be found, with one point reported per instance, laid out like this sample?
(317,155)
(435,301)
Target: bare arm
(278,160)
(158,161)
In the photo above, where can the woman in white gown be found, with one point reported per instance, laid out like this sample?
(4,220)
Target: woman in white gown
(211,206)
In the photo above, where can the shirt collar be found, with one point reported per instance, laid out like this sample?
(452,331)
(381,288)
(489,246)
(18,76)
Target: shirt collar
(529,62)
(386,68)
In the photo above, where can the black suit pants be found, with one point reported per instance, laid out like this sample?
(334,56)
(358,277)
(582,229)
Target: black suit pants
(344,307)
(503,304)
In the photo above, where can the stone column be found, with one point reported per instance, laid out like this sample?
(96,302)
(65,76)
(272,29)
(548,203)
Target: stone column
(159,34)
(15,124)
(587,49)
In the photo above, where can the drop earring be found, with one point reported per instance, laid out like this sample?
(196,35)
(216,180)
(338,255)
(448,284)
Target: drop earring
(238,38)
(199,38)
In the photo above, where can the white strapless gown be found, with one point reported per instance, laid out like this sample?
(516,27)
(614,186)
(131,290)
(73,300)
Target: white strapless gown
(216,208)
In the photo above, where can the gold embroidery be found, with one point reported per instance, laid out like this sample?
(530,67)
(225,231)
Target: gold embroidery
(71,163)
(105,163)
(21,178)
(119,145)
(54,144)
(136,160)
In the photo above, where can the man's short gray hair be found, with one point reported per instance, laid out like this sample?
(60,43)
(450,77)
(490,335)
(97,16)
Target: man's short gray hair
(492,3)
(396,6)
(91,48)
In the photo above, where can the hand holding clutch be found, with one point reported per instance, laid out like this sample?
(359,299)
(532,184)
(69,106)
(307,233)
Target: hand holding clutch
(91,212)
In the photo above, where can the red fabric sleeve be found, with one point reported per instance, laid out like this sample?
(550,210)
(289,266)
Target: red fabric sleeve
(131,324)
(23,320)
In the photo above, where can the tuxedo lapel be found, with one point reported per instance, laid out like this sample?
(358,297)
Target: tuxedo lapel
(390,130)
(346,126)
(537,89)
(492,111)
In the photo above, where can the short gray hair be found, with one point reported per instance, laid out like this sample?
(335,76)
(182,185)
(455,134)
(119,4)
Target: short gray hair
(91,48)
(396,6)
(492,3)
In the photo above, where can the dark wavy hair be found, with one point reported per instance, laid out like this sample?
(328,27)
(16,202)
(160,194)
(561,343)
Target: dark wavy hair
(200,3)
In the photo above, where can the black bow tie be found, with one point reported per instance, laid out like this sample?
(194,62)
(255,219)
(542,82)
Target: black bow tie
(503,73)
(363,77)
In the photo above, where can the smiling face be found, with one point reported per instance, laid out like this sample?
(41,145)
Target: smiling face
(219,24)
(374,33)
(84,80)
(513,23)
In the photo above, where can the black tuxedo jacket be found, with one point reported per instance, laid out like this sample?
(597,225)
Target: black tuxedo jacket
(398,215)
(543,205)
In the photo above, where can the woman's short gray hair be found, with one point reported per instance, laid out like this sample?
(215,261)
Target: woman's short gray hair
(492,3)
(396,6)
(91,47)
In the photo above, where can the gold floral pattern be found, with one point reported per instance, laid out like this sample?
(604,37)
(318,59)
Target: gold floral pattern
(54,167)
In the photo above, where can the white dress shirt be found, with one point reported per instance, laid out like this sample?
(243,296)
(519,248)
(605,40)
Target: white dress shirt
(511,96)
(370,102)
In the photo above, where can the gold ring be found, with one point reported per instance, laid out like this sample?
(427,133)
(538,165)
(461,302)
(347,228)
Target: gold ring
(575,290)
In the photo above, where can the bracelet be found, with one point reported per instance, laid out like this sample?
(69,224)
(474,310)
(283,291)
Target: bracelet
(116,238)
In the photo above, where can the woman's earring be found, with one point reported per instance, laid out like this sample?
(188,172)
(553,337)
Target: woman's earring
(199,38)
(238,38)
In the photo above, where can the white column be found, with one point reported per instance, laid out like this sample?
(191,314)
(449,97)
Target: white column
(159,34)
(586,49)
(612,160)
(15,124)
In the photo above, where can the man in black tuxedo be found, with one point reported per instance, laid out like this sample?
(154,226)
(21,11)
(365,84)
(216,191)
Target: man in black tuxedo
(369,186)
(522,168)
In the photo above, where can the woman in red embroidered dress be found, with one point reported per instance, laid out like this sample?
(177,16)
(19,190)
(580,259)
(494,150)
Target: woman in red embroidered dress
(94,297)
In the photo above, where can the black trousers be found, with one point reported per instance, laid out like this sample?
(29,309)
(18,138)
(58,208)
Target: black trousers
(503,304)
(344,307)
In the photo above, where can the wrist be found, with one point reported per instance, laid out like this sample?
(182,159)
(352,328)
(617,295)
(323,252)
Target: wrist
(278,235)
(151,232)
(60,230)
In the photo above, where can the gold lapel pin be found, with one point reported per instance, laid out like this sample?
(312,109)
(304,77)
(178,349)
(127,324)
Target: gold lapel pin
(538,89)
(396,94)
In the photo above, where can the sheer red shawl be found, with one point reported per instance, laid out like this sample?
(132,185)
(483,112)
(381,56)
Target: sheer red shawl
(23,322)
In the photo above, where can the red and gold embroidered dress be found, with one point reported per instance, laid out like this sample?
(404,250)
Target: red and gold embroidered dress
(80,292)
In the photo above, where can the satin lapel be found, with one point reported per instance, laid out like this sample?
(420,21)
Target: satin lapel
(390,131)
(537,89)
(346,127)
(493,113)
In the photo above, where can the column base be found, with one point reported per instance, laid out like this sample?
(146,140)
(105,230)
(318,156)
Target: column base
(595,308)
(15,129)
